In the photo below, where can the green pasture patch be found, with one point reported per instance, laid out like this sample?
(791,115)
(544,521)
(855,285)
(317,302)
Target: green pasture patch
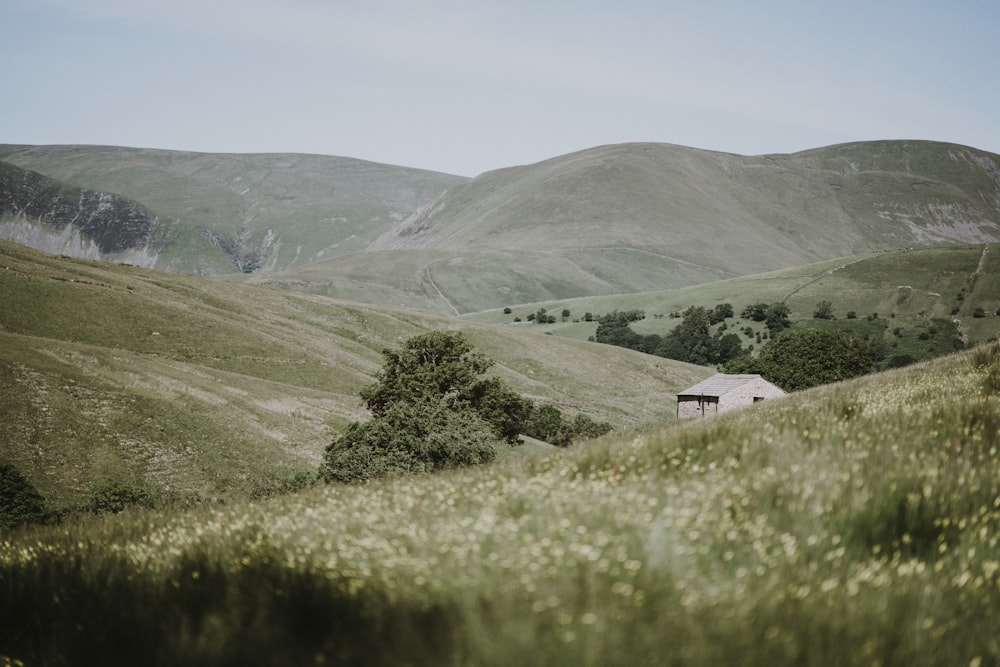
(848,524)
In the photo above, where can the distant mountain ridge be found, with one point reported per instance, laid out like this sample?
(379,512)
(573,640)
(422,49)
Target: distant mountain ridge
(851,198)
(225,213)
(615,219)
(647,217)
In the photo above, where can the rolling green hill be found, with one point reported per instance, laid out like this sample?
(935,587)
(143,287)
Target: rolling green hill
(647,217)
(221,213)
(915,301)
(610,220)
(200,389)
(853,524)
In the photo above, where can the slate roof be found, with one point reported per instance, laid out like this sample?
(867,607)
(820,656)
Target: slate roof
(718,384)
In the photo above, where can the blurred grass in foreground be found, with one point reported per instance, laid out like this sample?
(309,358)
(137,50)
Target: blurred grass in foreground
(855,524)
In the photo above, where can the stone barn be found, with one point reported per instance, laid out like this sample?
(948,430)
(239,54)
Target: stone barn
(722,392)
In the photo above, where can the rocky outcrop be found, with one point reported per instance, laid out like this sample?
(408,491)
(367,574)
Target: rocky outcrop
(101,221)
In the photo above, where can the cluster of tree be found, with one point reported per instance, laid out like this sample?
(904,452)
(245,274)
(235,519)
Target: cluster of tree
(21,503)
(543,316)
(774,315)
(692,340)
(431,410)
(547,423)
(807,358)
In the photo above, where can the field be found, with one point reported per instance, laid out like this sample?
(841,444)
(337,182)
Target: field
(916,301)
(853,524)
(196,390)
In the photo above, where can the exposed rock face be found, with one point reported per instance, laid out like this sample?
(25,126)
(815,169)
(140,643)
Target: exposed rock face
(87,220)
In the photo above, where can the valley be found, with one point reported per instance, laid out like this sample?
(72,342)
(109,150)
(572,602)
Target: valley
(165,406)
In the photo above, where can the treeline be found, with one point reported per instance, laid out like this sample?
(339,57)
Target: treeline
(692,340)
(794,359)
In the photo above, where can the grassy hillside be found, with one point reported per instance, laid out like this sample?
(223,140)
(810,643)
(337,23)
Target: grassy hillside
(855,524)
(289,209)
(611,220)
(922,299)
(645,217)
(200,389)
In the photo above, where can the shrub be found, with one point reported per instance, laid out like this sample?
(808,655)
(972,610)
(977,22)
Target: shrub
(409,438)
(20,503)
(548,423)
(900,360)
(824,311)
(116,497)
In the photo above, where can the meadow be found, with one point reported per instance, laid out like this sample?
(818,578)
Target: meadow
(852,524)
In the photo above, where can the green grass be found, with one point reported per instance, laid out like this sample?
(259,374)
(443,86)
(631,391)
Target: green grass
(914,291)
(317,206)
(198,390)
(857,523)
(623,219)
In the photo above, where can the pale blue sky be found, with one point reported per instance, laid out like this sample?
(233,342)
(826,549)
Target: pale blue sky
(465,87)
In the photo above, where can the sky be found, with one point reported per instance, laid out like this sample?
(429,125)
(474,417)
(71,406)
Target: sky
(464,87)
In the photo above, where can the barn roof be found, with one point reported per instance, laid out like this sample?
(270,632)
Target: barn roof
(718,384)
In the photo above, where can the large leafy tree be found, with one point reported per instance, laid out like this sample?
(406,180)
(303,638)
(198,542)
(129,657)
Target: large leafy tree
(801,359)
(430,410)
(436,365)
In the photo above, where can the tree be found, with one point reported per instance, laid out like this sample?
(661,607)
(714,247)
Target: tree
(721,312)
(547,424)
(565,314)
(20,503)
(436,365)
(430,410)
(542,317)
(501,407)
(409,438)
(586,428)
(755,311)
(824,311)
(800,359)
(776,318)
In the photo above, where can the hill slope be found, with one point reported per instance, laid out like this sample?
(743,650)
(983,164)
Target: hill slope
(733,213)
(46,214)
(915,301)
(200,389)
(857,523)
(645,217)
(224,213)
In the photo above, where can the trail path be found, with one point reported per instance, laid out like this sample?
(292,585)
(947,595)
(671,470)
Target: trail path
(656,254)
(982,258)
(430,279)
(820,277)
(963,331)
